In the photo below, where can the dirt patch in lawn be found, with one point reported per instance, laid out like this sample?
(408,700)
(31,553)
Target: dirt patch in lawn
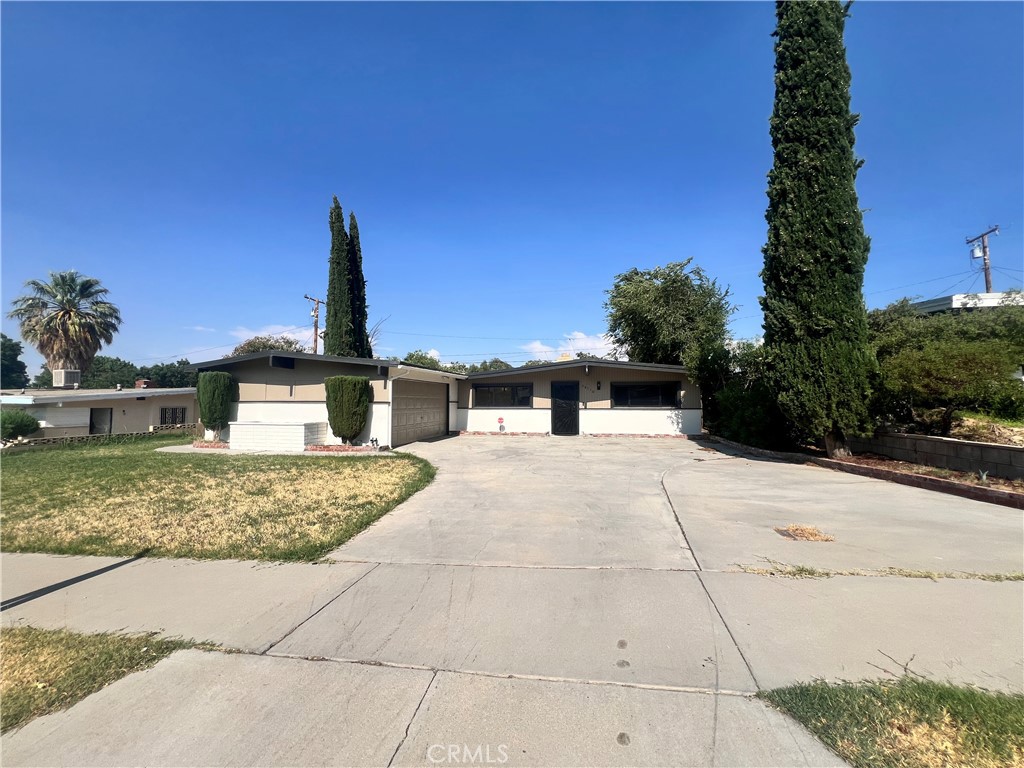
(907,468)
(122,500)
(803,533)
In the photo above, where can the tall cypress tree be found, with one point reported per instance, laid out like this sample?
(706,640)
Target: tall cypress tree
(816,252)
(357,283)
(338,335)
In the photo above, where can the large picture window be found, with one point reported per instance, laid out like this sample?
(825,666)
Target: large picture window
(654,395)
(503,395)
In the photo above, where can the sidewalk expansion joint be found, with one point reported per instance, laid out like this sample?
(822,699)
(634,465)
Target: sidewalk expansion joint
(317,611)
(529,567)
(519,676)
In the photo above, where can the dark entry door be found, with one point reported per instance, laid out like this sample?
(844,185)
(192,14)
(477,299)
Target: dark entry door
(565,408)
(100,420)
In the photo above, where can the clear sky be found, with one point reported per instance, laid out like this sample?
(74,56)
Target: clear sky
(505,161)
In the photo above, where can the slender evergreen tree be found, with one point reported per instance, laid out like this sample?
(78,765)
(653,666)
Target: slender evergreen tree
(357,282)
(819,361)
(338,334)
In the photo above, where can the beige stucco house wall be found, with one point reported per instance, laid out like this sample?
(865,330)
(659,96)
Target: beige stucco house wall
(69,413)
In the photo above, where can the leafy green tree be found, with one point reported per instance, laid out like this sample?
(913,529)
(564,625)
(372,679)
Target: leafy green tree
(357,290)
(267,344)
(107,372)
(214,393)
(422,359)
(43,379)
(950,375)
(675,315)
(819,361)
(530,363)
(494,364)
(348,404)
(67,319)
(338,330)
(169,374)
(13,371)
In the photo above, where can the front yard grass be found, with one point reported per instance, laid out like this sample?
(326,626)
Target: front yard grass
(910,723)
(46,670)
(123,498)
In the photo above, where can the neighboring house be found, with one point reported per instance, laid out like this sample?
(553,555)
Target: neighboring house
(73,412)
(282,400)
(967,301)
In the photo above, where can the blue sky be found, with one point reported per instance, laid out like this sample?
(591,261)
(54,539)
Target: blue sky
(505,161)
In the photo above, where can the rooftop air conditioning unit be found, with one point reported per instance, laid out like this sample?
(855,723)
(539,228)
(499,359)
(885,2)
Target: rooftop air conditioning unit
(66,379)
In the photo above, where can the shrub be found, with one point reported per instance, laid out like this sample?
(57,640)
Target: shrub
(950,374)
(348,404)
(1007,400)
(748,414)
(214,392)
(15,423)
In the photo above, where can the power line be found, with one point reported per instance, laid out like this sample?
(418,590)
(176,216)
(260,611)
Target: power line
(220,346)
(922,282)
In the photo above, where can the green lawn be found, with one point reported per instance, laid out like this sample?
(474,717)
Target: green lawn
(910,723)
(123,498)
(47,670)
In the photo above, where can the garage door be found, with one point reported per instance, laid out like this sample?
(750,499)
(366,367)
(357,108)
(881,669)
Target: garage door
(418,410)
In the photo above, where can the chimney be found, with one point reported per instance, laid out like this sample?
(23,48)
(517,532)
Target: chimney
(142,383)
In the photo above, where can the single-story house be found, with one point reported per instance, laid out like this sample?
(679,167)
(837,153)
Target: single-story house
(282,400)
(74,412)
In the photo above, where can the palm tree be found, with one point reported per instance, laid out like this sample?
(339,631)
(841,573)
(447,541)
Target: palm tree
(67,319)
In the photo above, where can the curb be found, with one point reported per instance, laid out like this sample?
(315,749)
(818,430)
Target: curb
(976,493)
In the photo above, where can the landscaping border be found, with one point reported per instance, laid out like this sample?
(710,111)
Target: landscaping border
(976,493)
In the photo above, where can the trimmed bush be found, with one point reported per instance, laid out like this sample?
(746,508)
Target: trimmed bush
(15,423)
(348,404)
(214,392)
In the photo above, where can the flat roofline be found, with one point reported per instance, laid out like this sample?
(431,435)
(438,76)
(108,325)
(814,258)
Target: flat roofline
(44,397)
(266,354)
(600,362)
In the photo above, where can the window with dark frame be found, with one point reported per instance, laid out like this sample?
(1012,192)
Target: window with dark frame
(172,416)
(646,395)
(503,395)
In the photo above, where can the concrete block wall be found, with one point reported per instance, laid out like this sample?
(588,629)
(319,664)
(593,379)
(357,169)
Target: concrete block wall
(947,453)
(264,436)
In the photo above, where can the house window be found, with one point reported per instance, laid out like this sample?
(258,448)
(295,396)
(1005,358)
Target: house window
(172,416)
(648,395)
(503,395)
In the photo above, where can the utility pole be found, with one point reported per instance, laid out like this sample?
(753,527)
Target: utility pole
(985,263)
(316,319)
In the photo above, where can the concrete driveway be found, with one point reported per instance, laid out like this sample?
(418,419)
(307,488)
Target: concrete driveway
(569,601)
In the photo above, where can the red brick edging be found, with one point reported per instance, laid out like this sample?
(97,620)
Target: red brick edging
(977,493)
(343,449)
(588,434)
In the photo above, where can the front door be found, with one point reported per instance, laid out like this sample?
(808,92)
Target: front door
(565,408)
(100,420)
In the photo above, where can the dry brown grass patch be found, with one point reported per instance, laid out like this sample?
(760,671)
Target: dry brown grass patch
(803,533)
(180,505)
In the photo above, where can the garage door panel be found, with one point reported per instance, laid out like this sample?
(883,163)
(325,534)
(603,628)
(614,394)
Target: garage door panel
(418,411)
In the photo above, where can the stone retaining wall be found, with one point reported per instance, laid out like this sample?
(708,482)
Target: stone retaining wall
(947,453)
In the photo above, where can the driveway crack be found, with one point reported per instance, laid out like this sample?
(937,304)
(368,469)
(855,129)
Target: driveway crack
(679,522)
(411,719)
(346,589)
